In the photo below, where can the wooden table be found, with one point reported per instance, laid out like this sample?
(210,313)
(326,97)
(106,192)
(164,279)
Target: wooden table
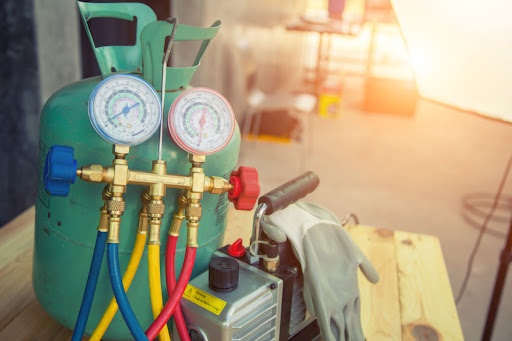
(412,301)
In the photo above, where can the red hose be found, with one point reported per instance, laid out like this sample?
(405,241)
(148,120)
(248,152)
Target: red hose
(170,254)
(170,306)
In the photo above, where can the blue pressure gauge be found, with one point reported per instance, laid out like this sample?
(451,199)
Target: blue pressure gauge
(125,109)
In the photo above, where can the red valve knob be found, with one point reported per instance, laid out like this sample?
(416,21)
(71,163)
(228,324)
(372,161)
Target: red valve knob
(237,249)
(246,188)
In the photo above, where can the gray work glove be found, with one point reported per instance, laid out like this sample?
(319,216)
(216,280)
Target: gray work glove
(329,259)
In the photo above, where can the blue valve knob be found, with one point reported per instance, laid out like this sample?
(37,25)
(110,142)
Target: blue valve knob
(59,170)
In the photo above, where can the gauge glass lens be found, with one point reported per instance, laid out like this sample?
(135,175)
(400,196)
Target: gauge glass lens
(125,109)
(201,121)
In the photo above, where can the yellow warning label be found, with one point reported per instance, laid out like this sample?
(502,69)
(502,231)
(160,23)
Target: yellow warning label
(204,299)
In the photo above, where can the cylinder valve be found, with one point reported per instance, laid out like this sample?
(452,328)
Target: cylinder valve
(246,188)
(59,170)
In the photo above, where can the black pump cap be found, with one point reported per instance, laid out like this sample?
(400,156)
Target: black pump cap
(223,274)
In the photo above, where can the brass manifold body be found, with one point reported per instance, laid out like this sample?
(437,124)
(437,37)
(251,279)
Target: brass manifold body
(118,177)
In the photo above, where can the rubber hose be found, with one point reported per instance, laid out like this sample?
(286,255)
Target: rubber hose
(155,287)
(120,295)
(90,287)
(133,264)
(170,277)
(170,306)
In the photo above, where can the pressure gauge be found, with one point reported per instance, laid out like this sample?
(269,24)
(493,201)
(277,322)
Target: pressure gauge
(125,109)
(201,121)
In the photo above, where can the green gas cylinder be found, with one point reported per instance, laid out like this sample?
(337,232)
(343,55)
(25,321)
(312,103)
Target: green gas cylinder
(65,228)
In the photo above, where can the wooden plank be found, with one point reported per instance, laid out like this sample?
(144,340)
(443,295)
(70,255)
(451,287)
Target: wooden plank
(380,310)
(33,323)
(17,237)
(16,243)
(426,299)
(16,287)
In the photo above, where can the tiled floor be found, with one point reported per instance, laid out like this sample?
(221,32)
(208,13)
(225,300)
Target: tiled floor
(408,173)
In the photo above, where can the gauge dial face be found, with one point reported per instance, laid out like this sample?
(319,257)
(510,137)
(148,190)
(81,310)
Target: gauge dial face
(125,109)
(201,121)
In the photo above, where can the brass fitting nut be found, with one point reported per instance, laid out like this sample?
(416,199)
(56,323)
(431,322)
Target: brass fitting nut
(116,206)
(218,185)
(271,265)
(193,212)
(120,149)
(156,209)
(196,158)
(92,173)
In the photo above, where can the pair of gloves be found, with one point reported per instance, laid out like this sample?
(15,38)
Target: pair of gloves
(329,259)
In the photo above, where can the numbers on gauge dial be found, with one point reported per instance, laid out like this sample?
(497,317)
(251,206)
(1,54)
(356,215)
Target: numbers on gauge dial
(125,109)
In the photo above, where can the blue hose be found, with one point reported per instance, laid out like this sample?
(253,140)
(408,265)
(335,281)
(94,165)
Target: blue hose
(90,287)
(120,294)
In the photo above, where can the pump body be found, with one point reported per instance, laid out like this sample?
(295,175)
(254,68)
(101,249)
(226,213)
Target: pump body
(65,227)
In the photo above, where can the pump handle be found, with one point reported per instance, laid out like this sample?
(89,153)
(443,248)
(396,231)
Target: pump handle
(284,195)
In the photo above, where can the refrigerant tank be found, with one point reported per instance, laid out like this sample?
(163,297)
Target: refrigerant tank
(65,227)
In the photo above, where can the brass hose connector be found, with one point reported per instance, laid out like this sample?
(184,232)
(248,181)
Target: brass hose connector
(143,213)
(143,222)
(114,224)
(145,197)
(177,220)
(154,231)
(116,206)
(194,212)
(192,229)
(178,216)
(103,224)
(156,210)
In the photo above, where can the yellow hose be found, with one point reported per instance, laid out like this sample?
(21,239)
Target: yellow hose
(155,287)
(138,249)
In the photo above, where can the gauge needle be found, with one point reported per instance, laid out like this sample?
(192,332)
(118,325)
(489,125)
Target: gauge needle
(125,111)
(127,108)
(202,121)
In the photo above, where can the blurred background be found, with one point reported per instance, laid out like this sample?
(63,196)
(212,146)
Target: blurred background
(401,107)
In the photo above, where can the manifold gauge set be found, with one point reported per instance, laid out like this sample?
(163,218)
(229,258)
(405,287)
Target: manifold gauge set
(208,291)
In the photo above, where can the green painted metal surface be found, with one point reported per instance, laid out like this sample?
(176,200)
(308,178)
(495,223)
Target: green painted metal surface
(65,228)
(113,59)
(153,38)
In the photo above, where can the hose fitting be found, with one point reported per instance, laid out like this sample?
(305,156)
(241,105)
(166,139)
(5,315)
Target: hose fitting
(154,231)
(178,216)
(114,224)
(143,213)
(192,229)
(103,225)
(143,222)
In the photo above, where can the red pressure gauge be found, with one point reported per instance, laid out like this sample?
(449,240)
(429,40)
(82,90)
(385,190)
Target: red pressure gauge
(201,121)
